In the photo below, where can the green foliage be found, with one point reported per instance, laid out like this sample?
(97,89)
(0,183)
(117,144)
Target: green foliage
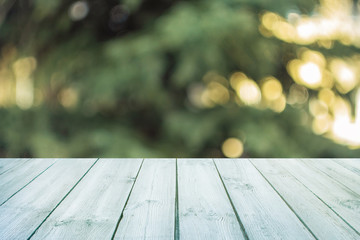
(129,85)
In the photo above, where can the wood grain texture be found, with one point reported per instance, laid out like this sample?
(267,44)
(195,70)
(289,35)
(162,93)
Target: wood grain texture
(205,211)
(338,197)
(264,214)
(24,212)
(159,199)
(17,177)
(92,209)
(320,219)
(150,211)
(351,164)
(9,163)
(336,172)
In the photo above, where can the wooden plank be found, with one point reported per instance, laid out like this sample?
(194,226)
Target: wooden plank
(9,163)
(263,213)
(150,211)
(17,177)
(336,172)
(93,208)
(24,212)
(351,164)
(338,197)
(319,218)
(205,211)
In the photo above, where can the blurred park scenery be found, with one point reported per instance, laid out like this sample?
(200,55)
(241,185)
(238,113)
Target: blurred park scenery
(161,78)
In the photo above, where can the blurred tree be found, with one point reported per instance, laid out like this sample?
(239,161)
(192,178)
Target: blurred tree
(164,79)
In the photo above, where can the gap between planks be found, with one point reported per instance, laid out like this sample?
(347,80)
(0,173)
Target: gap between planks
(128,197)
(176,210)
(231,202)
(177,227)
(64,198)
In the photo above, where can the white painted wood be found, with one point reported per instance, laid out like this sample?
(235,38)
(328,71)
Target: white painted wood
(93,208)
(24,212)
(263,213)
(17,177)
(336,172)
(150,211)
(338,197)
(351,164)
(205,211)
(320,219)
(325,197)
(8,163)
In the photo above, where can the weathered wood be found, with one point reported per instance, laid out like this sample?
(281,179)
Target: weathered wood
(351,164)
(24,212)
(150,211)
(17,177)
(205,211)
(336,172)
(319,218)
(92,209)
(263,213)
(338,197)
(9,163)
(117,198)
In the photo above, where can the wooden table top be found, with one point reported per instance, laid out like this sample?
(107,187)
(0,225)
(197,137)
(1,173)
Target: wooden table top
(180,199)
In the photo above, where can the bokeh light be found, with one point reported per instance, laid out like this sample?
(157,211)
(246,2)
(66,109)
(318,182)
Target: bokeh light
(248,92)
(344,75)
(78,10)
(310,73)
(327,96)
(68,97)
(232,148)
(271,89)
(23,69)
(176,79)
(297,94)
(321,124)
(333,20)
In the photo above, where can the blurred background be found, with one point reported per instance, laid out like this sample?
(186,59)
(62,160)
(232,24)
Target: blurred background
(161,78)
